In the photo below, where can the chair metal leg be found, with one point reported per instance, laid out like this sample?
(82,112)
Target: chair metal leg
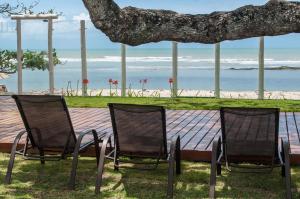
(75,158)
(96,143)
(213,168)
(171,169)
(283,171)
(178,156)
(101,164)
(12,157)
(116,161)
(219,169)
(42,155)
(286,150)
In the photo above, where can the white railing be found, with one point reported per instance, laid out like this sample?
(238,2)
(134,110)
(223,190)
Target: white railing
(123,63)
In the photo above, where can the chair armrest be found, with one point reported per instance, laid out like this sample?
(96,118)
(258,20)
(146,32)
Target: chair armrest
(102,157)
(285,144)
(217,148)
(285,150)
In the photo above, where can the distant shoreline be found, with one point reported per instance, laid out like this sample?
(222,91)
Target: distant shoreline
(269,68)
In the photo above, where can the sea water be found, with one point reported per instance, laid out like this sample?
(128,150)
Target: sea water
(196,69)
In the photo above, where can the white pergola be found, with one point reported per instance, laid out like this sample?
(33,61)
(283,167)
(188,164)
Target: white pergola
(49,18)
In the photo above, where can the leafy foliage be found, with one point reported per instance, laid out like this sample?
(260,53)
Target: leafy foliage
(19,8)
(31,60)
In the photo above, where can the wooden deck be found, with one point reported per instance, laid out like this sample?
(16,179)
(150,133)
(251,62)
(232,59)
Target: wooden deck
(197,128)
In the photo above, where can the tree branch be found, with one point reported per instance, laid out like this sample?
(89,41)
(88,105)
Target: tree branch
(20,8)
(134,26)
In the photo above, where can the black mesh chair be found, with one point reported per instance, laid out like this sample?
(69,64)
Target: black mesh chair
(50,133)
(140,132)
(250,135)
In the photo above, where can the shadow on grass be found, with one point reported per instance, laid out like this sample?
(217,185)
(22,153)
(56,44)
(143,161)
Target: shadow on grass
(30,179)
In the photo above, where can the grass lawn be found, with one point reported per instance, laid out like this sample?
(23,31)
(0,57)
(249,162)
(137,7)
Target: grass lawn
(30,179)
(184,103)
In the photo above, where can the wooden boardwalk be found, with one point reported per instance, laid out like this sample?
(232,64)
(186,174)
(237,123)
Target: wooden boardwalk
(197,128)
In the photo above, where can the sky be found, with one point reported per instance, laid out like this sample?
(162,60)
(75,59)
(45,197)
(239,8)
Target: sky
(66,33)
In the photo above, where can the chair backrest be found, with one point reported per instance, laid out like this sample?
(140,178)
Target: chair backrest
(250,133)
(47,121)
(139,130)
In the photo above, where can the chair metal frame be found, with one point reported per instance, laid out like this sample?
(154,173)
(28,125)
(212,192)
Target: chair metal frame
(280,158)
(97,138)
(172,157)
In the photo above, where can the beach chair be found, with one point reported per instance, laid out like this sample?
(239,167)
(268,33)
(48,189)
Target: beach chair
(249,143)
(49,133)
(139,133)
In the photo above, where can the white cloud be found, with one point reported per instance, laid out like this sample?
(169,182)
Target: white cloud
(81,16)
(60,18)
(2,19)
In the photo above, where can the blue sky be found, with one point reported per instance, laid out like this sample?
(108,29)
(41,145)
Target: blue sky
(66,30)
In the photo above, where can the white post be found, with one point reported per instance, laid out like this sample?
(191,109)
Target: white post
(217,70)
(261,68)
(50,57)
(19,57)
(83,58)
(123,60)
(175,67)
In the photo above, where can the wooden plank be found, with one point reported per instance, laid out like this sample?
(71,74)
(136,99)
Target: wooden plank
(292,132)
(195,140)
(193,131)
(197,129)
(204,136)
(185,125)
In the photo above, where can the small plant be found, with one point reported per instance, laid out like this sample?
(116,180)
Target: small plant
(269,95)
(143,82)
(110,81)
(155,94)
(181,91)
(100,93)
(115,83)
(69,89)
(77,88)
(130,91)
(171,81)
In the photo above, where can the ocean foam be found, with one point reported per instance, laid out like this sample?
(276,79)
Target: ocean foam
(183,59)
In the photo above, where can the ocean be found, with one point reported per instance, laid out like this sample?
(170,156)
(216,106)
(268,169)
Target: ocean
(196,69)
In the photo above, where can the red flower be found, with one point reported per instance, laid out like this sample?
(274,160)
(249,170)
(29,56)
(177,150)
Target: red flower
(171,80)
(145,81)
(110,80)
(85,81)
(115,82)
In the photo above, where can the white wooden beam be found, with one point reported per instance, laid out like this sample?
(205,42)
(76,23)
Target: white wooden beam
(50,57)
(83,58)
(34,16)
(19,57)
(217,69)
(175,68)
(123,63)
(261,61)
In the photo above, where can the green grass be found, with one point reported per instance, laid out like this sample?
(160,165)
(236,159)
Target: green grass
(30,179)
(184,103)
(33,180)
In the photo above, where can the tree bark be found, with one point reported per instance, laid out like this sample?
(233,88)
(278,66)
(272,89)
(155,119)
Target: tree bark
(135,26)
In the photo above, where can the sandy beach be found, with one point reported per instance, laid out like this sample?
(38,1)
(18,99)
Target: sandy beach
(293,95)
